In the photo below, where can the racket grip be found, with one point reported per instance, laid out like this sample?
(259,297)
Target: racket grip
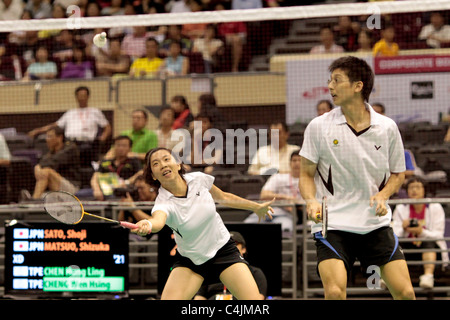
(128,225)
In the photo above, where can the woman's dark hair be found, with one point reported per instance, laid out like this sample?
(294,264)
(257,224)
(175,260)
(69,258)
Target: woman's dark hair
(415,179)
(148,168)
(357,70)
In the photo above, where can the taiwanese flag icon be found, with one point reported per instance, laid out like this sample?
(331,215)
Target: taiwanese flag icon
(20,246)
(21,233)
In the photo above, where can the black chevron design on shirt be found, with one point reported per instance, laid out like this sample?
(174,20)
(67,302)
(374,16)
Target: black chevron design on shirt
(329,183)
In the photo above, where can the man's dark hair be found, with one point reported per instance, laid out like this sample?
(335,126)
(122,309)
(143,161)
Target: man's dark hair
(80,88)
(357,70)
(58,132)
(143,111)
(123,137)
(415,179)
(383,109)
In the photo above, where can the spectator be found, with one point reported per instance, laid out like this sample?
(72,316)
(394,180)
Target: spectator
(246,4)
(282,186)
(437,32)
(205,154)
(194,30)
(27,50)
(149,65)
(421,221)
(183,115)
(386,46)
(175,64)
(39,9)
(115,9)
(207,103)
(328,45)
(174,6)
(42,68)
(80,67)
(264,162)
(142,138)
(164,131)
(218,291)
(365,41)
(11,9)
(59,169)
(235,34)
(5,161)
(113,62)
(93,9)
(324,106)
(58,12)
(173,33)
(82,126)
(122,168)
(64,45)
(210,47)
(145,192)
(134,45)
(346,36)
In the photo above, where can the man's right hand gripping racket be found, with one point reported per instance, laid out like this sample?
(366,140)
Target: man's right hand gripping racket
(324,217)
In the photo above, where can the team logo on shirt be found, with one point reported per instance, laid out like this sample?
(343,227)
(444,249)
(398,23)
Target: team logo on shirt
(335,143)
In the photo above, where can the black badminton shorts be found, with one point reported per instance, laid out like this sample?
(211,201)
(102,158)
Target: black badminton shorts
(377,247)
(210,270)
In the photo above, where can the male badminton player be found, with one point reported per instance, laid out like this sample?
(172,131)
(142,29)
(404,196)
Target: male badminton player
(354,156)
(186,203)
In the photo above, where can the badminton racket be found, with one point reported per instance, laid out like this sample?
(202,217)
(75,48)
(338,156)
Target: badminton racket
(324,217)
(68,209)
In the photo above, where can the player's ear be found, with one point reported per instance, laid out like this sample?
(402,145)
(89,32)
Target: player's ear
(358,86)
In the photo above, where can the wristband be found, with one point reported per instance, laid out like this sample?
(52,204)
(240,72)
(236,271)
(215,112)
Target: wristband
(150,225)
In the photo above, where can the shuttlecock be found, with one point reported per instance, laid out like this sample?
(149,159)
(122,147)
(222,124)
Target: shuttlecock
(100,39)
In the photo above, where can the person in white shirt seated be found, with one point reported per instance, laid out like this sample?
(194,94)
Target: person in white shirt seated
(282,186)
(436,32)
(274,157)
(421,221)
(81,125)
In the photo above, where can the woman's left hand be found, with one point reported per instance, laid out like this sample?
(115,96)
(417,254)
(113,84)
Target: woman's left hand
(265,209)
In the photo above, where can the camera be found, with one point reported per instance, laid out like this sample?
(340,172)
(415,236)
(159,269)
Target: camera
(122,192)
(413,223)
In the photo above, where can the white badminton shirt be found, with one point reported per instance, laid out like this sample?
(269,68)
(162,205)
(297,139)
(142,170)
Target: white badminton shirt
(351,168)
(198,228)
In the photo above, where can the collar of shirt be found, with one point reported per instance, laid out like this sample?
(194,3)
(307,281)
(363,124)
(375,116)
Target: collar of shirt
(375,118)
(169,194)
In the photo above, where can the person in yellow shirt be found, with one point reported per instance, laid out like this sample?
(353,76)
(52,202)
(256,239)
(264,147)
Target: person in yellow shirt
(386,45)
(147,66)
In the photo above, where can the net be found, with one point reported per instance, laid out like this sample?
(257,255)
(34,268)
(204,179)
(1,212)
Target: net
(63,207)
(238,70)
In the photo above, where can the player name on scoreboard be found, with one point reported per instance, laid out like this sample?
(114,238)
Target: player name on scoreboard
(24,234)
(69,259)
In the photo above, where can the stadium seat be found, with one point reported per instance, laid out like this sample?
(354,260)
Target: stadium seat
(21,176)
(247,186)
(18,142)
(223,177)
(429,134)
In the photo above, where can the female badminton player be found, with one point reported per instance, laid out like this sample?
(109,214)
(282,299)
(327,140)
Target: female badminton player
(354,156)
(186,203)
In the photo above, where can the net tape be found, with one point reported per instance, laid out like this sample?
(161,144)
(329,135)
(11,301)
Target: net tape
(280,13)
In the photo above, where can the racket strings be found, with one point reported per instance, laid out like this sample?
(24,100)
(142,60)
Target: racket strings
(63,207)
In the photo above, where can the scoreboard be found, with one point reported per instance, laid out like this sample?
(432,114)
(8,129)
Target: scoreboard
(53,259)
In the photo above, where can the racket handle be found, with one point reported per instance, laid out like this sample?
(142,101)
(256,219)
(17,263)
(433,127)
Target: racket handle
(129,225)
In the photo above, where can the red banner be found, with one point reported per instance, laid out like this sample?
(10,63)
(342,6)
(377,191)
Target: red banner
(411,64)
